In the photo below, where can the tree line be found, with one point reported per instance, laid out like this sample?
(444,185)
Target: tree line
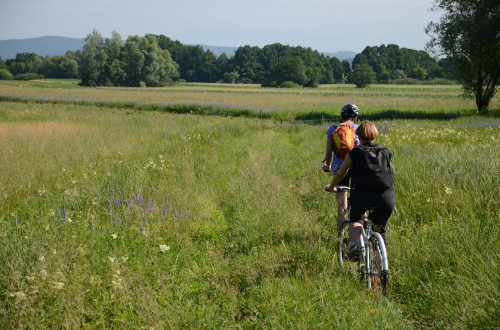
(156,60)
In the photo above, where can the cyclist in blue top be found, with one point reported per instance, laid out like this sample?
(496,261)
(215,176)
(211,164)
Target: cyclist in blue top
(332,162)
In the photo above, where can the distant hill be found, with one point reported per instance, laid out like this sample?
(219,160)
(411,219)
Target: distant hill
(52,46)
(42,46)
(218,50)
(342,55)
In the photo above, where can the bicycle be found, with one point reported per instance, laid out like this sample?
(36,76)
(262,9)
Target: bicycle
(373,263)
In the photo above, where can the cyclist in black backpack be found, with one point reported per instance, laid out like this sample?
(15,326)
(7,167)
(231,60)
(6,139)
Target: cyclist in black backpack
(369,165)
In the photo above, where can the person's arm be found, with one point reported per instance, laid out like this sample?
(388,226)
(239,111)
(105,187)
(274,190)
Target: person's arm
(328,155)
(340,174)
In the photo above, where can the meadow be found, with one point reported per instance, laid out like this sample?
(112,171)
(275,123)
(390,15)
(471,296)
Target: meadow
(120,214)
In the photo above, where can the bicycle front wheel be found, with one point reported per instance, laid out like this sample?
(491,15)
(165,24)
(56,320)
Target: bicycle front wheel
(378,264)
(344,243)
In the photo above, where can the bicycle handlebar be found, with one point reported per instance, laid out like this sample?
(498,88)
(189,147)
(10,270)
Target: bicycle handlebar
(342,188)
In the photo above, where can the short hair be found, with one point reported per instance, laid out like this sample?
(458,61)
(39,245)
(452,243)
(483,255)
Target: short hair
(367,131)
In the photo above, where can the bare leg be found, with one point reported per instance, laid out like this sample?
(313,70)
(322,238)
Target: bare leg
(356,231)
(341,208)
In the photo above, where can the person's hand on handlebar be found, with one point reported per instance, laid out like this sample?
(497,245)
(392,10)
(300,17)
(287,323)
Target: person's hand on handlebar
(330,188)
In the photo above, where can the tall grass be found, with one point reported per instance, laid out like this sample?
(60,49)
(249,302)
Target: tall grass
(122,218)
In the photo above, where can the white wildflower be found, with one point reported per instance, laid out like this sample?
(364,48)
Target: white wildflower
(19,295)
(164,248)
(58,285)
(117,285)
(114,236)
(448,191)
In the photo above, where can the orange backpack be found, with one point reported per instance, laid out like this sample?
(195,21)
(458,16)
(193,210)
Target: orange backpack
(343,140)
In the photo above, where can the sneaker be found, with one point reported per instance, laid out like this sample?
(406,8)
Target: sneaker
(353,253)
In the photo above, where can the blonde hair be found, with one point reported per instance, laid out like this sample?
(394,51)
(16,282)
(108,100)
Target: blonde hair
(367,131)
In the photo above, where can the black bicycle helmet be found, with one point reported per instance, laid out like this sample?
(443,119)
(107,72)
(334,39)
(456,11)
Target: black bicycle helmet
(349,111)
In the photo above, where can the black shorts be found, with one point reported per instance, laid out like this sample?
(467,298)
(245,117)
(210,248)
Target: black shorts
(383,202)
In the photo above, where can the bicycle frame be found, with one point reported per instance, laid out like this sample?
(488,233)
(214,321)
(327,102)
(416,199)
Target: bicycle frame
(370,242)
(365,241)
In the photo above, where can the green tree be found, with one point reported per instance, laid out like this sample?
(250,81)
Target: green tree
(363,75)
(159,68)
(5,74)
(385,60)
(113,70)
(25,63)
(468,34)
(145,63)
(230,77)
(398,74)
(313,76)
(346,71)
(419,73)
(246,61)
(60,66)
(92,60)
(381,72)
(133,61)
(290,69)
(222,64)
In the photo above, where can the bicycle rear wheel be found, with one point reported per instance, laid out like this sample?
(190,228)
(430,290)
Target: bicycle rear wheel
(344,243)
(378,264)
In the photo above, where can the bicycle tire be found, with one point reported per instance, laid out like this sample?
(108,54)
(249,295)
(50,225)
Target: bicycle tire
(344,243)
(377,274)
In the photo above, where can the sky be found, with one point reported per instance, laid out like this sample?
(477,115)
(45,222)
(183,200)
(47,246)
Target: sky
(323,25)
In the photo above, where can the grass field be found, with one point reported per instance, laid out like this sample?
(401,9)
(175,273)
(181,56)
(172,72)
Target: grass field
(116,217)
(302,103)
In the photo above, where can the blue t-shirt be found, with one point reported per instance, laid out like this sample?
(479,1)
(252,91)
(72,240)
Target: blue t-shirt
(336,161)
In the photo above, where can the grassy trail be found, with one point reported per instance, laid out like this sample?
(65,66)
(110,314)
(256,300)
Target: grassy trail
(122,218)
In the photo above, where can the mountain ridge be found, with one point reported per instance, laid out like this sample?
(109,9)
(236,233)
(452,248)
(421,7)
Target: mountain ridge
(55,45)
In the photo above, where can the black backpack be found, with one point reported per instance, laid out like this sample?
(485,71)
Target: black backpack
(372,170)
